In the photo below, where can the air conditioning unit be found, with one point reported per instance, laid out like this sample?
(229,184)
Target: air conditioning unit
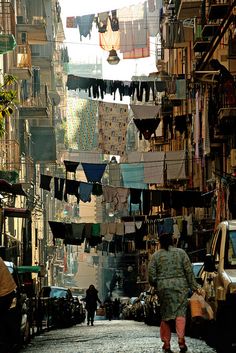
(233,157)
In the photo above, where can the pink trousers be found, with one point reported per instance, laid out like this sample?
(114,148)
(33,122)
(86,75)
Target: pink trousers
(165,331)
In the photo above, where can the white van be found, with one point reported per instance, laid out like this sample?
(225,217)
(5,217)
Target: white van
(219,282)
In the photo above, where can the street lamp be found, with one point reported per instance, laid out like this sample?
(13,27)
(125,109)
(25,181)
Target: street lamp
(113,58)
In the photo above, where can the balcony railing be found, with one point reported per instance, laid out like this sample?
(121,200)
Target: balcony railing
(27,169)
(34,96)
(7,18)
(9,155)
(23,56)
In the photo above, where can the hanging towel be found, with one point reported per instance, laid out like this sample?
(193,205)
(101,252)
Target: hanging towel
(133,175)
(175,164)
(94,172)
(154,167)
(45,181)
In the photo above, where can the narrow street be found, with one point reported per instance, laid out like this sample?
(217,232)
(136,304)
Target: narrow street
(116,336)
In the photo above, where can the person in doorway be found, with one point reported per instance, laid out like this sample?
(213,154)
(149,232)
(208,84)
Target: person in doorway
(170,272)
(91,301)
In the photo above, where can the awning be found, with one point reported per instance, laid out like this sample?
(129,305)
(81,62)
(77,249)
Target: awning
(25,269)
(16,189)
(16,212)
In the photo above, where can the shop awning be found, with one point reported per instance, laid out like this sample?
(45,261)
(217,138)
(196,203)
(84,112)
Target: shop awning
(32,269)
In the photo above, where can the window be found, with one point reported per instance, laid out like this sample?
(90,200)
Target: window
(231,249)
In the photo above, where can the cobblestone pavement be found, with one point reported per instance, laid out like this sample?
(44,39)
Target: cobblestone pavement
(116,336)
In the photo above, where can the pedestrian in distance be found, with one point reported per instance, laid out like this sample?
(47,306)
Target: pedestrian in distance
(91,299)
(170,272)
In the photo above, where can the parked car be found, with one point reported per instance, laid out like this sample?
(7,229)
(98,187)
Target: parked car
(219,281)
(57,306)
(17,321)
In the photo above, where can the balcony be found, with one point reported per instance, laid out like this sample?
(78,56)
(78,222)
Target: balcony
(7,18)
(9,155)
(210,29)
(27,169)
(36,30)
(217,10)
(23,56)
(201,46)
(35,105)
(188,9)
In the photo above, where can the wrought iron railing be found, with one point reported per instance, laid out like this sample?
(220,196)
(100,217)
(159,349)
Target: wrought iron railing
(7,18)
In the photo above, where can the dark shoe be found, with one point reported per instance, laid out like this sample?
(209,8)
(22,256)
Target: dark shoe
(166,349)
(183,349)
(88,323)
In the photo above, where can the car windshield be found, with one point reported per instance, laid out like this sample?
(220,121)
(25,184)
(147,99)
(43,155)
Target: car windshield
(232,249)
(54,292)
(196,268)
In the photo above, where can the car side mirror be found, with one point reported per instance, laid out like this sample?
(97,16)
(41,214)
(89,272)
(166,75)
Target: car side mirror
(209,263)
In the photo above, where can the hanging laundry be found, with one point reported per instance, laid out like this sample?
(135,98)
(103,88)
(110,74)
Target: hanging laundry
(114,21)
(72,188)
(94,172)
(145,111)
(85,24)
(133,175)
(112,127)
(58,230)
(45,181)
(147,127)
(82,123)
(114,174)
(154,167)
(153,19)
(138,53)
(71,22)
(71,166)
(109,40)
(102,21)
(85,191)
(58,188)
(175,165)
(134,30)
